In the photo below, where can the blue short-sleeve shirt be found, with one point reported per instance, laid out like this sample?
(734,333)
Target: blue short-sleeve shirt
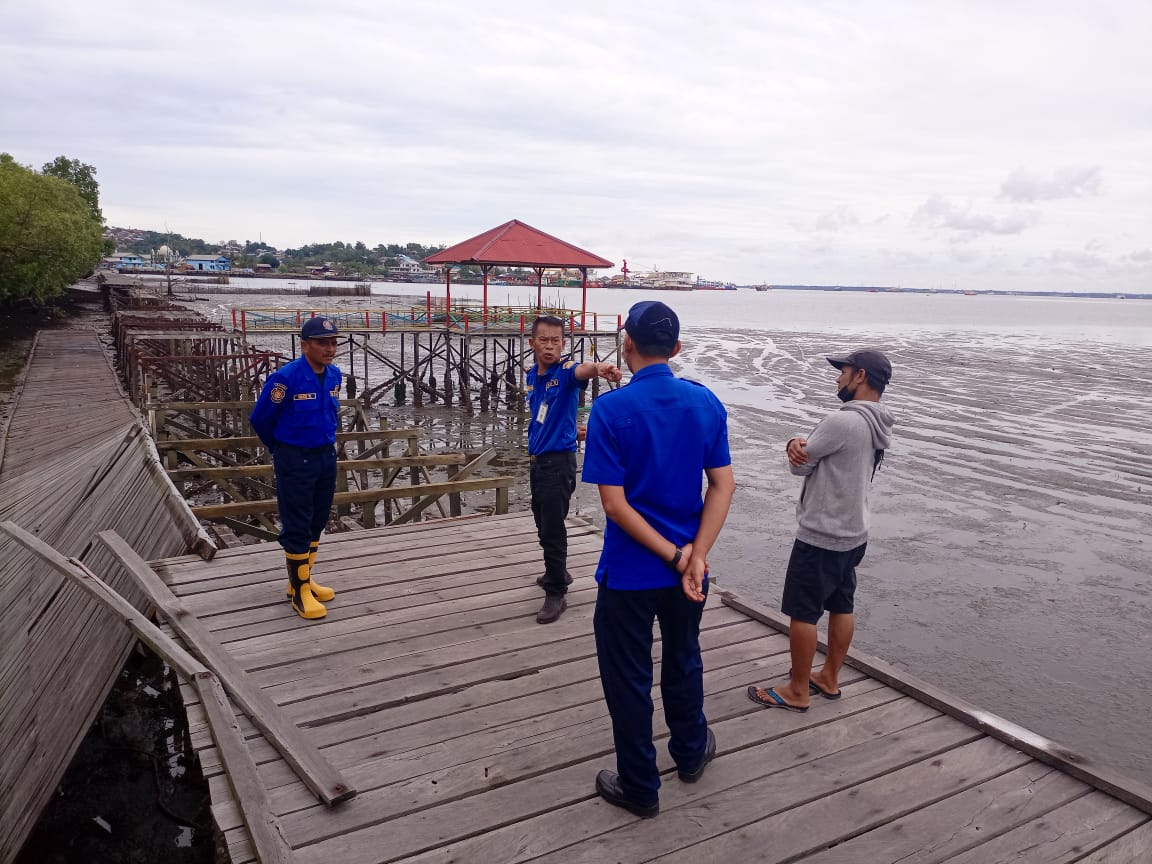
(553,396)
(655,437)
(295,408)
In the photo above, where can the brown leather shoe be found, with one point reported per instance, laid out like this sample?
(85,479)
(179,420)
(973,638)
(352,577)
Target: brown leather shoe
(553,608)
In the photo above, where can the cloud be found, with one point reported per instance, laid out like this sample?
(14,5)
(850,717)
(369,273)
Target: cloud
(836,220)
(1144,256)
(1023,186)
(1074,259)
(938,212)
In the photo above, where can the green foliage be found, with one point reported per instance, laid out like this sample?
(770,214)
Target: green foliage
(149,240)
(269,259)
(48,236)
(82,176)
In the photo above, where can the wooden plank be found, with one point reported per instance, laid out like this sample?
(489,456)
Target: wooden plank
(444,771)
(792,830)
(270,505)
(1135,847)
(1081,767)
(250,441)
(267,835)
(293,744)
(341,465)
(938,832)
(428,500)
(551,790)
(81,576)
(1065,834)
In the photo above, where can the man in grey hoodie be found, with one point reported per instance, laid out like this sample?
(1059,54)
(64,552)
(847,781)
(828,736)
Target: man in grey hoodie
(837,461)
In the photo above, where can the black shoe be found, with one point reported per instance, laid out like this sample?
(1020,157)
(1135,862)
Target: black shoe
(709,755)
(609,788)
(553,608)
(567,579)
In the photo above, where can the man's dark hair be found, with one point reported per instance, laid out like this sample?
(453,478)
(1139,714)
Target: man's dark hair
(874,382)
(662,351)
(550,320)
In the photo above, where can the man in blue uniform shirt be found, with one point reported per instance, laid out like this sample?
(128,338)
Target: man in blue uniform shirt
(296,417)
(648,445)
(553,390)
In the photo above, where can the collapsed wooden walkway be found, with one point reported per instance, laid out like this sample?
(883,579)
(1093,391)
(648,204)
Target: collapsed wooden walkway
(474,734)
(74,460)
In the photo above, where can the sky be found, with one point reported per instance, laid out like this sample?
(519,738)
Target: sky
(974,145)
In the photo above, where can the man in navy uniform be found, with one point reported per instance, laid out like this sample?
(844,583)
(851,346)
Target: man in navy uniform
(648,445)
(553,389)
(296,417)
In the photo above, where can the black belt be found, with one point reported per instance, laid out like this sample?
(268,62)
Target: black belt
(319,449)
(540,457)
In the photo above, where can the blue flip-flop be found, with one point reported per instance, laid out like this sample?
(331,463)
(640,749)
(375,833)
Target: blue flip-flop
(774,700)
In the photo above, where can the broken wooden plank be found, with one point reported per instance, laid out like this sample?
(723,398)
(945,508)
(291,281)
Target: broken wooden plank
(296,748)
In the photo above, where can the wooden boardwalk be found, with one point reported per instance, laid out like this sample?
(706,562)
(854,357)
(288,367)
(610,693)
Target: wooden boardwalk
(74,460)
(474,734)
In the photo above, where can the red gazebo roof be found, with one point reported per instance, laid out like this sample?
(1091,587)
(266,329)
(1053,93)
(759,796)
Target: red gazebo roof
(515,244)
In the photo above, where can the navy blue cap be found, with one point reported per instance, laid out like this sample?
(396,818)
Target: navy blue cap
(318,328)
(873,362)
(653,324)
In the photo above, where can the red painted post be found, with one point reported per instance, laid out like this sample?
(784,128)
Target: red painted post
(448,297)
(619,323)
(571,322)
(244,320)
(485,298)
(368,320)
(465,322)
(521,324)
(297,319)
(233,319)
(383,321)
(428,320)
(583,297)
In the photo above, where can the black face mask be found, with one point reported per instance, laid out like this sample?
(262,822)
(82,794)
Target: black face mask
(845,395)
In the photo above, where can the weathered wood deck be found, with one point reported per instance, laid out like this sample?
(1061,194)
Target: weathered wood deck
(74,460)
(474,734)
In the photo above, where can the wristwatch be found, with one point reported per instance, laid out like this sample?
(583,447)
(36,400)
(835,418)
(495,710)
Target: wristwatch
(675,559)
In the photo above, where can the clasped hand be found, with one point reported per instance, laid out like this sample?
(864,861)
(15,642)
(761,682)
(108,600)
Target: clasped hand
(692,569)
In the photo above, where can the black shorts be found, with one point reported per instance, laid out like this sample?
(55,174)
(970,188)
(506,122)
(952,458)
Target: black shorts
(819,581)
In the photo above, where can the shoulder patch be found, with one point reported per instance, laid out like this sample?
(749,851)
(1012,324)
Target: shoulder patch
(335,391)
(570,364)
(278,393)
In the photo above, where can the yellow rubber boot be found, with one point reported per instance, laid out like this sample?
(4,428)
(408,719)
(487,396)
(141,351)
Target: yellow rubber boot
(320,592)
(306,605)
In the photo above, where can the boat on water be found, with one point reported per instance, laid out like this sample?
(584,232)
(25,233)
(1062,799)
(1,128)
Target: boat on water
(655,280)
(713,285)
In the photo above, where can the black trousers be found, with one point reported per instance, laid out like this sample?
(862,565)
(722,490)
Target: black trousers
(305,484)
(553,480)
(623,626)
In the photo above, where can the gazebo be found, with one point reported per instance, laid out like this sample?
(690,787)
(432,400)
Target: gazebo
(515,244)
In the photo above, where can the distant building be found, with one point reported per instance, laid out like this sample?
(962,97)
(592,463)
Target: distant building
(208,262)
(123,261)
(407,268)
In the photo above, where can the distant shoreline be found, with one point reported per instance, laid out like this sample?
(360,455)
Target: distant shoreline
(889,289)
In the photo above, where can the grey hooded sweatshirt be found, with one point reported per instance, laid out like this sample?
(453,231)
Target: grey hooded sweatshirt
(833,508)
